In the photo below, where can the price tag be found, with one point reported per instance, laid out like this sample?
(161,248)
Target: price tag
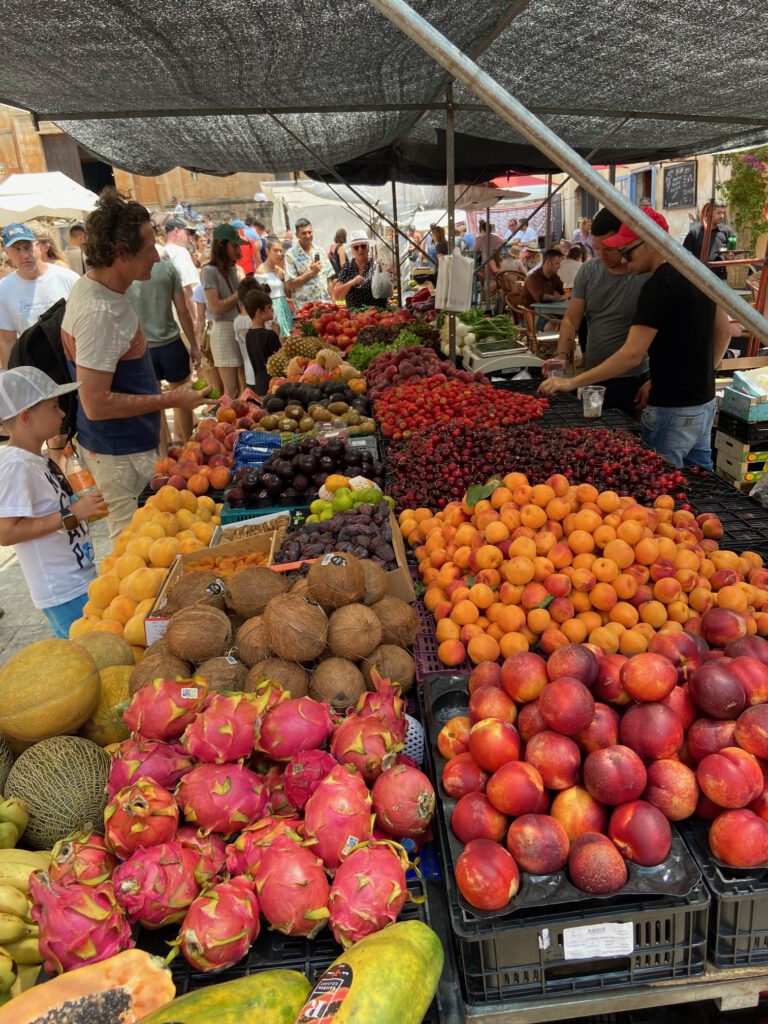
(189,693)
(591,942)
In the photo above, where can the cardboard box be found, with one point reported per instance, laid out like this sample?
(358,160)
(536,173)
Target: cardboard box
(738,450)
(745,407)
(156,622)
(738,472)
(281,521)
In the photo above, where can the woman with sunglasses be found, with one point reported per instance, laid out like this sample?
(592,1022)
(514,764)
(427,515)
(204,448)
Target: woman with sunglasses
(220,281)
(354,280)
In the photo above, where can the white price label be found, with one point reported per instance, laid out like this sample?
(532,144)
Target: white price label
(189,693)
(598,940)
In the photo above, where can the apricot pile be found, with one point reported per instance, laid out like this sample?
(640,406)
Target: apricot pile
(557,563)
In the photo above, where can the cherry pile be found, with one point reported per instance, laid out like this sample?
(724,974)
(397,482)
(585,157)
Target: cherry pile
(450,458)
(415,362)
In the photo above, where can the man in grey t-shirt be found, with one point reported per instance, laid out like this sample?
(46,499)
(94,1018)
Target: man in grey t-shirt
(605,294)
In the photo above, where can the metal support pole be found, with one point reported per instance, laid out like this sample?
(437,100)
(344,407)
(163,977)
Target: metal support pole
(536,132)
(450,181)
(705,241)
(396,240)
(548,231)
(488,309)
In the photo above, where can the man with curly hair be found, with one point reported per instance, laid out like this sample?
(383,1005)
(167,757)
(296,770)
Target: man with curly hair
(118,420)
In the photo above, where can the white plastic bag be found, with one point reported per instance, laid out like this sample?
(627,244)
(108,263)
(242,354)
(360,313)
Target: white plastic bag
(381,285)
(454,282)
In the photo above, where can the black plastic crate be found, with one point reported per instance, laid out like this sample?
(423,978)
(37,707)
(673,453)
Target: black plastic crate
(743,430)
(738,921)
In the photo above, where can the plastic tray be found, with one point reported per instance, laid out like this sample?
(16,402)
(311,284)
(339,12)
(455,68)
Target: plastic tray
(742,430)
(738,921)
(238,515)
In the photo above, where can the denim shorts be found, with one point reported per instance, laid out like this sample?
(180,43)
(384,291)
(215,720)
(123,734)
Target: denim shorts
(683,435)
(171,361)
(61,616)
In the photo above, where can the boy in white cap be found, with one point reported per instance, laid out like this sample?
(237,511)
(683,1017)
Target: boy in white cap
(37,515)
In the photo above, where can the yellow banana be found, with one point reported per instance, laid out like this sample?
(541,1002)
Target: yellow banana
(15,810)
(12,928)
(16,875)
(7,971)
(26,977)
(9,835)
(40,858)
(25,951)
(13,902)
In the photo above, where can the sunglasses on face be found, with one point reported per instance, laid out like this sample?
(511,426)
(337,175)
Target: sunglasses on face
(359,248)
(626,254)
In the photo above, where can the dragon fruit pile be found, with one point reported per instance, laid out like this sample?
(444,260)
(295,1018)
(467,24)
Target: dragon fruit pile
(229,808)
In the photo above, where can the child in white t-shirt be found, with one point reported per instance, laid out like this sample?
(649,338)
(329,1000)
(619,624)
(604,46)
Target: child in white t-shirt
(37,514)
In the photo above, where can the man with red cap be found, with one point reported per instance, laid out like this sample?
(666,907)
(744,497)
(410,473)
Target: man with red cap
(685,335)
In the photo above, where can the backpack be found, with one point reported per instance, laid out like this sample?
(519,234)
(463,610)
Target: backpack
(41,346)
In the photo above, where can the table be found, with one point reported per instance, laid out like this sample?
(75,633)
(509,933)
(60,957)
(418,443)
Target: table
(551,310)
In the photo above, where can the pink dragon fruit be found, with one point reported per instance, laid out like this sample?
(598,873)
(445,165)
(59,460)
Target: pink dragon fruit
(368,891)
(405,759)
(386,703)
(82,857)
(338,815)
(367,743)
(157,884)
(79,924)
(277,803)
(143,814)
(403,801)
(221,925)
(304,773)
(225,730)
(293,889)
(162,709)
(210,851)
(221,797)
(294,725)
(163,763)
(245,853)
(268,693)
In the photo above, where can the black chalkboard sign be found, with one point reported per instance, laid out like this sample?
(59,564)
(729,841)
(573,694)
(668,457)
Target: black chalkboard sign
(680,185)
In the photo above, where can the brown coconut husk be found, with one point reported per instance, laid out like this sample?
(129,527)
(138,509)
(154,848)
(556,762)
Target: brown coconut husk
(197,588)
(376,582)
(291,676)
(335,580)
(353,632)
(199,633)
(223,673)
(300,586)
(391,662)
(297,628)
(250,590)
(399,621)
(159,666)
(336,681)
(251,641)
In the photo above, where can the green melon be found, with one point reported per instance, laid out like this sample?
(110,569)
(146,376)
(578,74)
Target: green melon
(106,649)
(6,760)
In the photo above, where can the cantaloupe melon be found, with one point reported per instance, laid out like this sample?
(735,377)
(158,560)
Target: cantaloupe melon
(106,725)
(106,649)
(63,780)
(6,760)
(48,689)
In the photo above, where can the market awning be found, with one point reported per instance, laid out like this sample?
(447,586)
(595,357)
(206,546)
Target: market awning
(197,86)
(52,194)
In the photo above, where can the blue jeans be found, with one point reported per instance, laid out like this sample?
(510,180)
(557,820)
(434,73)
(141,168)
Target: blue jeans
(684,435)
(61,616)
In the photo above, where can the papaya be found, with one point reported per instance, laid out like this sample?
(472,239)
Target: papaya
(126,987)
(270,997)
(389,977)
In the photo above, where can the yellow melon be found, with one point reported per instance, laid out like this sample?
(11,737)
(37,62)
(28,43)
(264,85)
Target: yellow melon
(106,723)
(106,649)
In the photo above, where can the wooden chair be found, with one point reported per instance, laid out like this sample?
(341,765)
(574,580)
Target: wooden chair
(510,285)
(542,345)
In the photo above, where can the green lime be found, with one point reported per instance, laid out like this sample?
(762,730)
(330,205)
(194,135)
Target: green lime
(343,492)
(214,393)
(369,496)
(312,518)
(199,385)
(319,505)
(342,502)
(328,514)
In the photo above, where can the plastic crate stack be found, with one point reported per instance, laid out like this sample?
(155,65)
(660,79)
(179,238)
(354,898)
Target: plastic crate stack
(742,439)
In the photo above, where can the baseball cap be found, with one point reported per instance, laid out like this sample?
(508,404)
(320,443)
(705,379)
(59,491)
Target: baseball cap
(625,235)
(24,387)
(238,223)
(174,224)
(17,233)
(226,233)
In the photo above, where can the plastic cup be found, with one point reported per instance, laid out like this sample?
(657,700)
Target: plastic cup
(592,401)
(553,367)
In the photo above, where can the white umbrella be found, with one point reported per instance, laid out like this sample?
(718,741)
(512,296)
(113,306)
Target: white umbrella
(52,194)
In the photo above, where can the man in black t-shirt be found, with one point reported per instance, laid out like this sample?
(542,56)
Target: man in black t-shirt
(718,239)
(685,336)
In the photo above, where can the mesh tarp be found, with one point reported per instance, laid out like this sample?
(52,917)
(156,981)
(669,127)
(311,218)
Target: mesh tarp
(692,73)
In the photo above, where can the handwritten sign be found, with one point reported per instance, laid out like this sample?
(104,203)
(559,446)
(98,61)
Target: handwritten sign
(680,185)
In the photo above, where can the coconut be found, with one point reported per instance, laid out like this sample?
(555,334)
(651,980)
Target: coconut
(158,647)
(376,582)
(391,662)
(160,666)
(353,631)
(198,633)
(335,580)
(297,628)
(251,641)
(337,682)
(223,673)
(250,589)
(300,586)
(291,676)
(399,621)
(197,588)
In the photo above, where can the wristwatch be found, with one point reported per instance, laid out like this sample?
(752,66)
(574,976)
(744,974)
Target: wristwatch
(69,521)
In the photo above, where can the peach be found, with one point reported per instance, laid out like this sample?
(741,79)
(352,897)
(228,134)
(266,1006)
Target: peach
(730,778)
(749,646)
(566,705)
(648,677)
(453,738)
(752,674)
(491,702)
(487,673)
(602,731)
(556,758)
(680,702)
(662,569)
(578,812)
(614,775)
(680,650)
(723,578)
(716,692)
(652,730)
(487,875)
(641,833)
(538,843)
(475,817)
(561,609)
(574,661)
(557,585)
(492,743)
(524,676)
(672,787)
(461,776)
(515,788)
(530,721)
(708,735)
(608,686)
(595,865)
(721,625)
(739,838)
(751,731)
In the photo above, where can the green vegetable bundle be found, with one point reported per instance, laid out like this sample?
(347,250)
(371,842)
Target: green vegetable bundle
(362,355)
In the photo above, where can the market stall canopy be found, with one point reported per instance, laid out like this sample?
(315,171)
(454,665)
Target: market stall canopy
(189,86)
(52,194)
